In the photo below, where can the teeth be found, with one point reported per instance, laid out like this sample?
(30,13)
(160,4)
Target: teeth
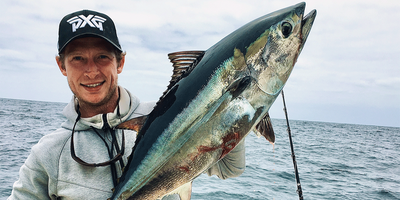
(94,85)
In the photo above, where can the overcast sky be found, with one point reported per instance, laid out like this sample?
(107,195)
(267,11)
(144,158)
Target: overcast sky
(348,72)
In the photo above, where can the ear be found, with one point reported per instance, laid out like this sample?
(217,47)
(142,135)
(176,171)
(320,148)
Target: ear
(121,65)
(60,66)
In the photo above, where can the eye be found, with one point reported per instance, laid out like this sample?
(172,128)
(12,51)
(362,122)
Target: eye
(104,59)
(78,58)
(286,29)
(103,56)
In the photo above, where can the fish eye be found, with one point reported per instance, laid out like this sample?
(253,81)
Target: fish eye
(286,29)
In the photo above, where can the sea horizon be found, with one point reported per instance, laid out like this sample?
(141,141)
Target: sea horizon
(290,119)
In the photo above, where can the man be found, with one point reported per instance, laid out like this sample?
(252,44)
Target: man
(83,159)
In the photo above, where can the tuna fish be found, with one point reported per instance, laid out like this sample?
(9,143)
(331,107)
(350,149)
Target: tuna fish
(215,98)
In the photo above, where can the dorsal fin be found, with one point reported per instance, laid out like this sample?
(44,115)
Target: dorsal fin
(264,128)
(183,62)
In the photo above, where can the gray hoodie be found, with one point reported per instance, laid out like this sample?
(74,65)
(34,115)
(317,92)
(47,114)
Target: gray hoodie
(49,172)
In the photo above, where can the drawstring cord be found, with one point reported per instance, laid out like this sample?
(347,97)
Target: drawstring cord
(114,144)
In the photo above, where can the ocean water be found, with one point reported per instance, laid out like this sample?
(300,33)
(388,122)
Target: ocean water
(335,161)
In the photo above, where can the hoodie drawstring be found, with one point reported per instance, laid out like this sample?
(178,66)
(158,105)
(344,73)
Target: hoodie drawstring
(114,144)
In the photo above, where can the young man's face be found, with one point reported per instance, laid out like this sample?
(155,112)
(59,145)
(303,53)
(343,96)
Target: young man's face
(92,70)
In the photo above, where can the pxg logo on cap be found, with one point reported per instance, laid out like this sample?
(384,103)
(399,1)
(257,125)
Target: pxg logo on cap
(86,23)
(81,21)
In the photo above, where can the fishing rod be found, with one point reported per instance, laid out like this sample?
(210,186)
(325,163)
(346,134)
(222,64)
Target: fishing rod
(299,191)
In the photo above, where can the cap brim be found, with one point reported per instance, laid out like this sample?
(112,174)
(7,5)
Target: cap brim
(82,35)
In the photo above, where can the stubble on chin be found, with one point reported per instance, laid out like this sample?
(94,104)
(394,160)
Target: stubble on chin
(105,102)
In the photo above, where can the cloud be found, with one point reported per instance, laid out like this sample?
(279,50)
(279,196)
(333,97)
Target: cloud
(349,60)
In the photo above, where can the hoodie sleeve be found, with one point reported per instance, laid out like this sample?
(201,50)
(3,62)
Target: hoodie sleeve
(32,182)
(37,176)
(232,165)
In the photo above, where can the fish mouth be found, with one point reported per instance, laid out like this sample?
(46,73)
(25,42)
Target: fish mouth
(307,23)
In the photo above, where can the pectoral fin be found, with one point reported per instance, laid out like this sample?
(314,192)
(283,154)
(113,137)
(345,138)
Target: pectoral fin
(133,124)
(264,128)
(184,192)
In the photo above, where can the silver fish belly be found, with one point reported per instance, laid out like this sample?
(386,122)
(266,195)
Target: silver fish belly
(213,102)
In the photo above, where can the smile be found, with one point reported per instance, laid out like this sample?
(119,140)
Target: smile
(93,85)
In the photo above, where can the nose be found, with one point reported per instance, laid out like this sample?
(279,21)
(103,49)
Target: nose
(91,69)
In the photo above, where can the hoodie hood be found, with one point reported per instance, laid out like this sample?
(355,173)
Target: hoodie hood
(127,105)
